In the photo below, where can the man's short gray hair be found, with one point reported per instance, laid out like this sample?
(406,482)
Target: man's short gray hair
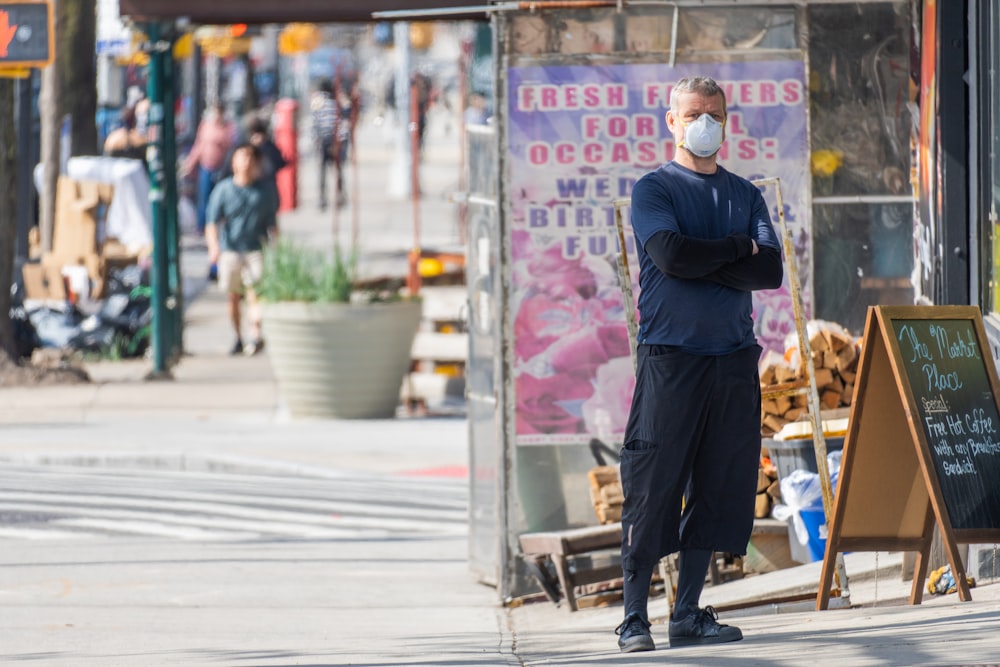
(703,85)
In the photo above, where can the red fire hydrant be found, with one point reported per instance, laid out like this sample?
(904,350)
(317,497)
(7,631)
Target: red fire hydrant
(286,137)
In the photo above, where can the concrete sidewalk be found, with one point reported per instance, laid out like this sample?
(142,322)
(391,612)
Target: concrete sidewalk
(881,628)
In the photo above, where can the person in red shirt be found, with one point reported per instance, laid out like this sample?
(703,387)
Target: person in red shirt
(212,144)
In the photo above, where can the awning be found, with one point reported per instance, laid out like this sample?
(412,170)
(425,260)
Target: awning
(285,11)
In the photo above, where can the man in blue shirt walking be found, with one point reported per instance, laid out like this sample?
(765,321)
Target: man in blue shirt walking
(242,217)
(692,443)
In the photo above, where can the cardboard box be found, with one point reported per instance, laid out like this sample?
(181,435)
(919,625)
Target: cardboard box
(113,256)
(40,283)
(78,221)
(78,203)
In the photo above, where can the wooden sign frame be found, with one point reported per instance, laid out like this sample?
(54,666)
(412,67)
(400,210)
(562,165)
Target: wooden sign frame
(889,494)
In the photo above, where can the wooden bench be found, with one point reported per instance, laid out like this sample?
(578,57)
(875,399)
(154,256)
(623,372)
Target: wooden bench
(561,547)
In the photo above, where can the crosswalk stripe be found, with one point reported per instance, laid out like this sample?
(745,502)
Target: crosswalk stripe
(41,534)
(143,528)
(344,507)
(41,502)
(374,499)
(393,486)
(238,527)
(81,502)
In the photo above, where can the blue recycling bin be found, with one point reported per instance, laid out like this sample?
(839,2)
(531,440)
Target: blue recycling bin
(815,523)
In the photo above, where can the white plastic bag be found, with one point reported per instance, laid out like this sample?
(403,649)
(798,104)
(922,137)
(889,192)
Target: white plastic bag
(800,490)
(833,466)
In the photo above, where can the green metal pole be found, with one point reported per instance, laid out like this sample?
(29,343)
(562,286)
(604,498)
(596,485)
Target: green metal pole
(159,274)
(175,303)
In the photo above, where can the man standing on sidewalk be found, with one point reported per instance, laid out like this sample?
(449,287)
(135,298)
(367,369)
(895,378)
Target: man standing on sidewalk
(692,442)
(241,217)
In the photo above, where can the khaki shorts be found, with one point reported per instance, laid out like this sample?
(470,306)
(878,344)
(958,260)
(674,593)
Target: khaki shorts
(239,270)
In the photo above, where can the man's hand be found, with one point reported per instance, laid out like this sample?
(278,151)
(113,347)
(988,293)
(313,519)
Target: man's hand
(755,248)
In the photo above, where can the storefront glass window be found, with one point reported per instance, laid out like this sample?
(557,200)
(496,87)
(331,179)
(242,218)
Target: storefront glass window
(860,125)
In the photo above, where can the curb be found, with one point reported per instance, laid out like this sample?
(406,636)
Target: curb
(214,463)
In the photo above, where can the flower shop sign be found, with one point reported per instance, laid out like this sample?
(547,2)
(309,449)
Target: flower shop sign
(579,138)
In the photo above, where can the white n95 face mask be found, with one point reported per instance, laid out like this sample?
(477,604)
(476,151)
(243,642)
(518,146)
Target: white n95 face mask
(703,137)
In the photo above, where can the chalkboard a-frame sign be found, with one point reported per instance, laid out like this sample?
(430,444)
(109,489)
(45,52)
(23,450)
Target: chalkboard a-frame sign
(923,442)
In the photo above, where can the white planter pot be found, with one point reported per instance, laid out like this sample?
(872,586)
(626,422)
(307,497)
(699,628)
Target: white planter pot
(340,360)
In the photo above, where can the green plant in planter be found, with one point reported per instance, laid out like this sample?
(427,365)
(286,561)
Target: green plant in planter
(338,347)
(293,272)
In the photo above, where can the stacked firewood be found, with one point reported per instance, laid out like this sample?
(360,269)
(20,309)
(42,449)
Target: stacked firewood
(835,360)
(606,493)
(768,489)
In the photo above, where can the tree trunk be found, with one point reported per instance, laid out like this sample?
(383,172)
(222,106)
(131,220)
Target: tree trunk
(50,117)
(78,72)
(67,88)
(72,77)
(8,215)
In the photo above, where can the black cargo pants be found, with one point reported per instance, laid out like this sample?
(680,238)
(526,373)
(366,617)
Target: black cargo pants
(692,440)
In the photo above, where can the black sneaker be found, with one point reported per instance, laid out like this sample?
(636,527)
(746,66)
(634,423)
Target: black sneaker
(237,348)
(702,627)
(633,634)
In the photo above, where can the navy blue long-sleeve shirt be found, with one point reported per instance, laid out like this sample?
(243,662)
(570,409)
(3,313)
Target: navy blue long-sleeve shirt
(696,267)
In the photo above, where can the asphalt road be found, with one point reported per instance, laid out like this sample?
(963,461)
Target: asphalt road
(104,566)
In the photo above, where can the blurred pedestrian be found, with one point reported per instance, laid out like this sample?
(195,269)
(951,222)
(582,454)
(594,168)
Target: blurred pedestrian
(126,141)
(257,132)
(342,141)
(214,138)
(331,136)
(426,95)
(273,161)
(242,217)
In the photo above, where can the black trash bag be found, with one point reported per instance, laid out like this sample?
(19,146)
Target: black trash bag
(55,327)
(124,279)
(134,323)
(95,337)
(131,312)
(122,327)
(26,339)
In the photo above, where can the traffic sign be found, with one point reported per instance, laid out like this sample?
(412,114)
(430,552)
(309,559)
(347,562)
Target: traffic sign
(27,35)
